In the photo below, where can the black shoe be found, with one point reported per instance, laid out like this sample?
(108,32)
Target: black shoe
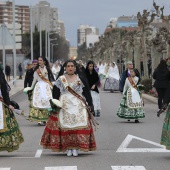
(164,107)
(159,112)
(98,114)
(136,121)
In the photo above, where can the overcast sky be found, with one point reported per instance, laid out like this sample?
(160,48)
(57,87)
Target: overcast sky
(94,12)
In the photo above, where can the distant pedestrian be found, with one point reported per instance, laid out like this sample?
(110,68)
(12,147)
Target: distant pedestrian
(1,66)
(20,70)
(125,74)
(162,77)
(93,80)
(112,80)
(29,74)
(7,72)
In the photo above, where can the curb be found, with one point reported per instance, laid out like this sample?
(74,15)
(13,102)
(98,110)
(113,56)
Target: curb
(150,98)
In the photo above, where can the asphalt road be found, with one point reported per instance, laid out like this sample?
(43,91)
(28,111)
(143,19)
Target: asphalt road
(140,150)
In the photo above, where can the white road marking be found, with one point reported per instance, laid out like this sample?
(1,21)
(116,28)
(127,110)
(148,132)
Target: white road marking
(128,168)
(5,168)
(38,153)
(128,139)
(61,168)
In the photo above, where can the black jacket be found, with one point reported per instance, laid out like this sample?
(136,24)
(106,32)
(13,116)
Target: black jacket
(93,79)
(4,89)
(29,78)
(162,77)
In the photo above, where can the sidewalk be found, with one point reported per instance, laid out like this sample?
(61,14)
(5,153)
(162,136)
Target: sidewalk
(150,98)
(19,86)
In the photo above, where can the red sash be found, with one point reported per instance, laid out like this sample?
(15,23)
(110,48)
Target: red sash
(43,78)
(132,83)
(73,92)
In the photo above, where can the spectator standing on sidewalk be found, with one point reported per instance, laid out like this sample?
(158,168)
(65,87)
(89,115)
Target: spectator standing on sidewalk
(20,70)
(125,74)
(162,77)
(7,72)
(29,74)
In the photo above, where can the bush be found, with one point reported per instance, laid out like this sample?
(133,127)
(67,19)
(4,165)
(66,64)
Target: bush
(148,85)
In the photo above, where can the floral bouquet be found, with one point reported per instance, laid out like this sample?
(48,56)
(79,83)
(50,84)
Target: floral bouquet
(55,105)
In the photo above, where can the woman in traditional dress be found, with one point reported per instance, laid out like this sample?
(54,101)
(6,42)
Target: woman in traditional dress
(70,129)
(10,134)
(131,105)
(55,69)
(112,82)
(93,80)
(41,92)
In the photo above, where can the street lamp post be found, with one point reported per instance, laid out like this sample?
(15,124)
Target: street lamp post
(31,33)
(39,30)
(49,57)
(14,47)
(52,51)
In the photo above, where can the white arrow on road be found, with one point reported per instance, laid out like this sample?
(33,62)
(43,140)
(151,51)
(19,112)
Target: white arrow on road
(61,168)
(129,138)
(128,168)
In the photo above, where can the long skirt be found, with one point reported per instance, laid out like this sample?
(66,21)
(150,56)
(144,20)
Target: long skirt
(59,140)
(129,113)
(96,100)
(40,107)
(165,138)
(38,115)
(11,136)
(111,84)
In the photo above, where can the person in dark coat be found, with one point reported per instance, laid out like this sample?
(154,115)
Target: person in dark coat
(7,72)
(125,74)
(20,70)
(162,77)
(29,74)
(93,80)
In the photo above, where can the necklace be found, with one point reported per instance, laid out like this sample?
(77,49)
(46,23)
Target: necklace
(70,74)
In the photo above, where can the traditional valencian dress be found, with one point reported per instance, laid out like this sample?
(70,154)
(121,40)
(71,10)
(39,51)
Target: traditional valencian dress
(165,138)
(42,92)
(131,105)
(70,128)
(10,134)
(112,82)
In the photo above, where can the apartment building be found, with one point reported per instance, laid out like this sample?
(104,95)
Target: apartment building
(44,17)
(22,15)
(85,30)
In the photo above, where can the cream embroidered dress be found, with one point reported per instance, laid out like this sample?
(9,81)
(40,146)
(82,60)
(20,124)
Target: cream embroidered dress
(131,105)
(73,114)
(42,92)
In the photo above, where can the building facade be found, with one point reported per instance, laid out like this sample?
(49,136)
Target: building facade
(61,29)
(44,17)
(85,30)
(127,21)
(22,15)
